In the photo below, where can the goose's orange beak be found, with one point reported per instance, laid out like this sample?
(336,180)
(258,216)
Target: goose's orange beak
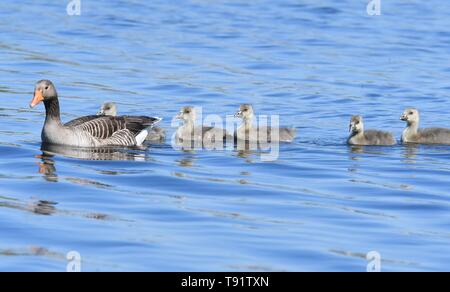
(37,98)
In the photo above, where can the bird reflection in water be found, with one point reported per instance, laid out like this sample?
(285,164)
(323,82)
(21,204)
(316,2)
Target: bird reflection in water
(103,153)
(410,153)
(47,165)
(40,207)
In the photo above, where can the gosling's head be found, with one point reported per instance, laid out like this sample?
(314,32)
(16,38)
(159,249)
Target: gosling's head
(108,109)
(245,112)
(410,116)
(356,125)
(187,114)
(43,91)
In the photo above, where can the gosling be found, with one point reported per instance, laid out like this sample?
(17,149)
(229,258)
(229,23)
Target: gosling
(108,109)
(412,133)
(367,138)
(156,134)
(188,131)
(245,132)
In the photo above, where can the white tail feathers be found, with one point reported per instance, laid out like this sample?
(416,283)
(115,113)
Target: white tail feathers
(140,138)
(156,122)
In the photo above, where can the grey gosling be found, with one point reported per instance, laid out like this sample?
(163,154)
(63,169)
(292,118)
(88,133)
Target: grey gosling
(359,136)
(188,131)
(248,132)
(412,133)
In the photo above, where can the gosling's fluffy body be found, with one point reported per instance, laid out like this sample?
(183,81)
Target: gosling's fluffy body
(358,136)
(247,132)
(412,133)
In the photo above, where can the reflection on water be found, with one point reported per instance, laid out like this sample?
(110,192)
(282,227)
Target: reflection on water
(410,152)
(186,162)
(47,167)
(40,207)
(105,153)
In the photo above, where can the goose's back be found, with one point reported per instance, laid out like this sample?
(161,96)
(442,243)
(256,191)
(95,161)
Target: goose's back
(434,136)
(266,134)
(374,137)
(103,127)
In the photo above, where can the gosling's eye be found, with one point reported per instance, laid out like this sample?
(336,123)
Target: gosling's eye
(357,123)
(107,108)
(46,87)
(245,110)
(411,113)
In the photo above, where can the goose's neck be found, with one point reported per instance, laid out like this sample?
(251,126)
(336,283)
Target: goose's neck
(189,125)
(412,128)
(52,110)
(357,135)
(247,124)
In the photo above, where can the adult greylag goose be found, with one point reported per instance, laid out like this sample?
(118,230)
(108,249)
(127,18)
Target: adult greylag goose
(88,131)
(188,131)
(412,133)
(155,134)
(248,132)
(359,136)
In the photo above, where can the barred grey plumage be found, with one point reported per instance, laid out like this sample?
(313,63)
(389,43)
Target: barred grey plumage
(155,134)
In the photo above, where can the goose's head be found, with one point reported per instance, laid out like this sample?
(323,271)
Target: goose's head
(410,116)
(187,114)
(108,109)
(245,112)
(44,90)
(356,125)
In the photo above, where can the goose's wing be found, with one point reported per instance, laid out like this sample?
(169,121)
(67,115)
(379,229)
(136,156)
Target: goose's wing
(375,137)
(138,123)
(435,135)
(103,127)
(80,121)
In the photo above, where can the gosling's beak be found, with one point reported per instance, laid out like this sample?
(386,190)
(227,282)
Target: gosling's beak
(350,127)
(238,114)
(37,98)
(404,118)
(179,116)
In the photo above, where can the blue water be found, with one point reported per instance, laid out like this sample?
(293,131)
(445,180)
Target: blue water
(321,206)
